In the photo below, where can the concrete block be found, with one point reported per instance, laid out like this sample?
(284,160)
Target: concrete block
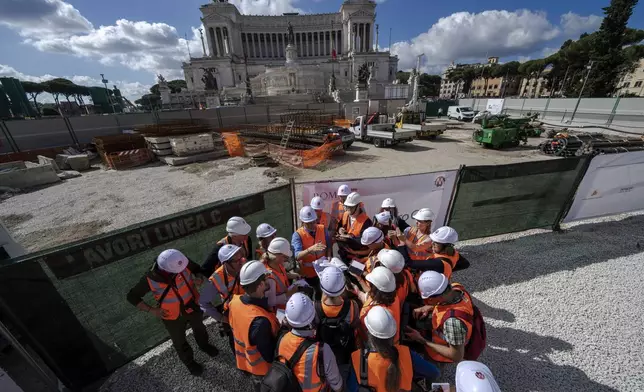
(78,162)
(29,164)
(48,161)
(61,161)
(178,161)
(29,177)
(15,165)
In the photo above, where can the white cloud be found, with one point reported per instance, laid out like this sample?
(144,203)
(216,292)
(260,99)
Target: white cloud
(574,25)
(34,17)
(523,59)
(266,7)
(131,90)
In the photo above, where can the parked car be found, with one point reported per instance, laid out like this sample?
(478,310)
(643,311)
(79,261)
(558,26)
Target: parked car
(462,113)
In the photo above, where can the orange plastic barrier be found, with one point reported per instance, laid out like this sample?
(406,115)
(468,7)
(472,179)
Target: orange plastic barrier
(233,144)
(315,156)
(344,123)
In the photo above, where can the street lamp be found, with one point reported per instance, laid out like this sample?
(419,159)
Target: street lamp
(590,68)
(107,92)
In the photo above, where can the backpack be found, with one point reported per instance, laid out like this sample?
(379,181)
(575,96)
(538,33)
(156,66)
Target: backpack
(363,377)
(477,342)
(280,377)
(336,332)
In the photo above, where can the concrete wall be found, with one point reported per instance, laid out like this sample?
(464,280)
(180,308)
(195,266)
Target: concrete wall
(29,177)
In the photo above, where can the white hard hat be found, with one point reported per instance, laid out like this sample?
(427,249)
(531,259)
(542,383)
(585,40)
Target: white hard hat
(251,271)
(432,283)
(352,200)
(317,203)
(281,246)
(424,214)
(226,252)
(383,279)
(392,259)
(339,263)
(372,235)
(332,281)
(384,217)
(300,311)
(344,190)
(237,225)
(388,203)
(472,376)
(380,323)
(308,215)
(444,235)
(265,230)
(172,261)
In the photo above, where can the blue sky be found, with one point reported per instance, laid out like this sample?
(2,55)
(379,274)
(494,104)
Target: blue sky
(130,41)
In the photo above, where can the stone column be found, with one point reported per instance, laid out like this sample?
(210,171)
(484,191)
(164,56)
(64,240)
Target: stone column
(226,40)
(252,45)
(274,42)
(320,45)
(371,36)
(349,31)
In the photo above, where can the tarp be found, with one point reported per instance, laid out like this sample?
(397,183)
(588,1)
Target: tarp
(493,200)
(613,184)
(411,193)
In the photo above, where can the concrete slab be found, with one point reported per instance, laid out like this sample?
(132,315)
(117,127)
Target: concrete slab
(206,156)
(43,160)
(9,166)
(73,162)
(29,177)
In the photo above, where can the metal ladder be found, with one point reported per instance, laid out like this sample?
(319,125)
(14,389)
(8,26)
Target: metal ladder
(286,136)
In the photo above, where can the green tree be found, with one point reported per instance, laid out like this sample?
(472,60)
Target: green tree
(149,101)
(465,74)
(403,77)
(175,86)
(429,85)
(34,89)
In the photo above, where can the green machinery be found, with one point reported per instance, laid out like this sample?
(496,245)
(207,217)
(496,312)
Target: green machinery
(502,131)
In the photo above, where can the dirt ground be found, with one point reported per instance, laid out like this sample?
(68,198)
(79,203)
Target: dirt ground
(104,200)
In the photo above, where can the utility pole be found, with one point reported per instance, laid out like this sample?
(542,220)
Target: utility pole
(107,92)
(390,40)
(590,68)
(563,84)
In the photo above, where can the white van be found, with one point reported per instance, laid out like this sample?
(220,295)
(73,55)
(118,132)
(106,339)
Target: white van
(462,113)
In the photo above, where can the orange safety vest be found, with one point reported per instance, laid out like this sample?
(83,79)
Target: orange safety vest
(307,368)
(183,292)
(281,281)
(325,220)
(377,369)
(225,283)
(449,262)
(355,229)
(337,210)
(441,313)
(241,316)
(407,287)
(226,240)
(306,264)
(417,254)
(395,309)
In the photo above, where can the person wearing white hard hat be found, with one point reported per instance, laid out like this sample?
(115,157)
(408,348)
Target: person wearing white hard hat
(238,231)
(473,376)
(278,253)
(324,218)
(173,281)
(316,369)
(445,258)
(416,239)
(394,261)
(265,234)
(254,325)
(353,223)
(310,242)
(374,239)
(338,317)
(379,289)
(337,208)
(390,205)
(452,315)
(384,221)
(384,365)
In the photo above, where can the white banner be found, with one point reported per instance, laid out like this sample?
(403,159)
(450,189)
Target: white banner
(613,184)
(494,106)
(411,193)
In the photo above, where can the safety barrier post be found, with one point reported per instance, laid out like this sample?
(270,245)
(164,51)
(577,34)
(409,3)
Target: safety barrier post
(9,136)
(72,134)
(611,116)
(571,197)
(291,182)
(452,198)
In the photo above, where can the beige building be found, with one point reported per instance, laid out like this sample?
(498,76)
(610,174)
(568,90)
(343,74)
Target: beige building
(533,88)
(493,87)
(633,83)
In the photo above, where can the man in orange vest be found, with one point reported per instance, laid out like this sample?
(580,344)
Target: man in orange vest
(354,222)
(337,208)
(173,280)
(317,368)
(310,242)
(237,230)
(253,324)
(447,304)
(327,220)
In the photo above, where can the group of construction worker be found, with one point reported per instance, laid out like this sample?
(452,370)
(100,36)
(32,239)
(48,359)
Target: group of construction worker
(384,315)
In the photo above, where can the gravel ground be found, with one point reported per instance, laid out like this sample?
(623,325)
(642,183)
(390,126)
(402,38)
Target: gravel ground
(560,310)
(105,200)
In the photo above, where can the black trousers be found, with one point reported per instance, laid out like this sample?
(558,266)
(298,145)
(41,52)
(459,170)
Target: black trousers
(177,330)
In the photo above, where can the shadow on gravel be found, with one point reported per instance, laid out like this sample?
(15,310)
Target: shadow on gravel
(525,258)
(495,313)
(356,147)
(411,147)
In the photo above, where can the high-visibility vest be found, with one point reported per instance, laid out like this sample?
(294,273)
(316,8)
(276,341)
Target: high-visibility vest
(395,308)
(183,292)
(241,316)
(449,262)
(226,240)
(407,287)
(377,367)
(355,229)
(337,210)
(370,263)
(225,283)
(439,315)
(325,220)
(306,263)
(417,254)
(306,370)
(278,275)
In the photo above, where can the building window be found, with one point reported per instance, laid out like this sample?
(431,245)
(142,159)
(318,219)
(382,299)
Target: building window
(638,84)
(347,73)
(239,76)
(626,85)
